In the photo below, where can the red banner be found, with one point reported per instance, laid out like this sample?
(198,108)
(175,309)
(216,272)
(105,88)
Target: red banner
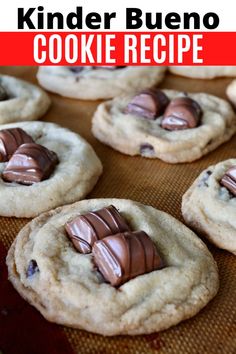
(118,48)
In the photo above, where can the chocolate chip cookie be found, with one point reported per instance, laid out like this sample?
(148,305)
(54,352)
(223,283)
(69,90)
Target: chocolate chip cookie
(113,267)
(101,82)
(43,166)
(170,125)
(231,92)
(209,205)
(21,101)
(203,72)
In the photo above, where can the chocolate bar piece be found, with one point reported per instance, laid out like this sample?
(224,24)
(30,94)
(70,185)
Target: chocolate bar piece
(149,104)
(124,256)
(10,140)
(181,113)
(229,180)
(3,94)
(31,163)
(85,229)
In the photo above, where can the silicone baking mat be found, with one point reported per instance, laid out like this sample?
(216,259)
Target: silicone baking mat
(153,182)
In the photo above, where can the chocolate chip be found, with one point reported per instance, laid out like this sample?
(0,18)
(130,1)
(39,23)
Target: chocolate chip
(149,104)
(32,268)
(76,69)
(3,94)
(209,142)
(147,150)
(203,181)
(181,113)
(109,67)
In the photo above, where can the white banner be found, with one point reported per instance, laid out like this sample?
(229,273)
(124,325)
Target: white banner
(159,14)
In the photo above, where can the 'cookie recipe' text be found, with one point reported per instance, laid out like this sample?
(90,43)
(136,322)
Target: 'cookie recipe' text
(105,48)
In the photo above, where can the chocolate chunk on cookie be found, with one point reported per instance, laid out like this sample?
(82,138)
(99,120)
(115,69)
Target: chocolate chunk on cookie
(204,181)
(113,67)
(76,69)
(85,229)
(125,256)
(146,150)
(31,163)
(10,140)
(229,180)
(181,113)
(149,104)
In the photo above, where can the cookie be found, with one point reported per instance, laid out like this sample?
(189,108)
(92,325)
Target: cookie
(21,101)
(209,206)
(71,178)
(67,288)
(203,72)
(231,92)
(92,83)
(205,122)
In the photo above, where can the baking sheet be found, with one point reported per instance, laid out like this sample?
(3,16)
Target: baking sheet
(153,182)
